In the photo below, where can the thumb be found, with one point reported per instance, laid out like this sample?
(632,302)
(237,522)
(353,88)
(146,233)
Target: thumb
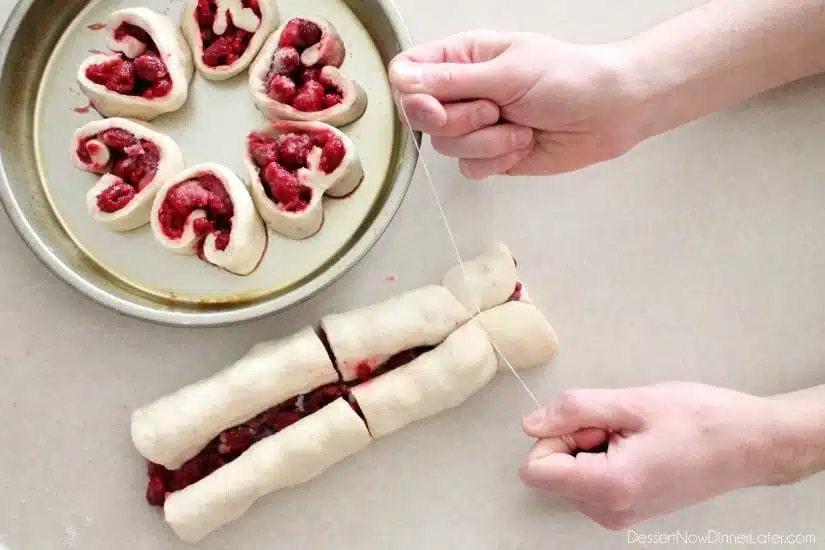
(449,82)
(601,409)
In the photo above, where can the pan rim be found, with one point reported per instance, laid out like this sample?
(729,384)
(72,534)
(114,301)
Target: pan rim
(408,159)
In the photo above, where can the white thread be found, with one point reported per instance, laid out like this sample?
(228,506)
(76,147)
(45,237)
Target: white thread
(447,223)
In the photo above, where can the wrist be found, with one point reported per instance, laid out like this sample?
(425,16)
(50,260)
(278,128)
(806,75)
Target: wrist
(791,446)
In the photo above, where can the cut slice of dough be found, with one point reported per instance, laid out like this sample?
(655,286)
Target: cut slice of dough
(291,457)
(248,236)
(173,49)
(338,183)
(136,213)
(243,18)
(521,334)
(177,427)
(439,380)
(371,335)
(328,54)
(485,281)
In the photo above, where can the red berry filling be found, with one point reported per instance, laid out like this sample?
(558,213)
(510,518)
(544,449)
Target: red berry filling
(225,49)
(278,161)
(132,160)
(146,76)
(517,293)
(368,369)
(207,193)
(232,443)
(290,82)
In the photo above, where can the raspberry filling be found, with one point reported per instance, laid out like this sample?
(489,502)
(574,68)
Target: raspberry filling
(146,76)
(225,49)
(134,161)
(278,161)
(232,443)
(517,293)
(292,83)
(207,193)
(368,369)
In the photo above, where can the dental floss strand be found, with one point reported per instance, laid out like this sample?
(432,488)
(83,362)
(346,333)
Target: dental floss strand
(450,233)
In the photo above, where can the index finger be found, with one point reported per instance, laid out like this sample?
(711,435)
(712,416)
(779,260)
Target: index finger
(467,47)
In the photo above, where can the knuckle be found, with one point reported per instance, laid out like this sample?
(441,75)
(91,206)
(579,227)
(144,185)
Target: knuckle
(447,77)
(570,403)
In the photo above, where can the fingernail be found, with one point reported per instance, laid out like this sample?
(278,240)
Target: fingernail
(407,74)
(535,419)
(522,137)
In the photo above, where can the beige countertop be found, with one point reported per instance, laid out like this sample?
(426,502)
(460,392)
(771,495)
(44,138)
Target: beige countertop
(699,256)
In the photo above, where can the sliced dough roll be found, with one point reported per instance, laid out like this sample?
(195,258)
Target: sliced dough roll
(207,210)
(438,380)
(521,334)
(177,427)
(365,338)
(486,281)
(112,86)
(232,48)
(291,457)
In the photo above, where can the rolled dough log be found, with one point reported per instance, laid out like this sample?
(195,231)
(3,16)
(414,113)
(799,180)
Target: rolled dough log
(371,335)
(177,427)
(291,457)
(434,382)
(521,334)
(485,281)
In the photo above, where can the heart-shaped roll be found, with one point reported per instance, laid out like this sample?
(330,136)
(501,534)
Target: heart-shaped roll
(292,165)
(134,162)
(226,35)
(298,76)
(149,72)
(207,210)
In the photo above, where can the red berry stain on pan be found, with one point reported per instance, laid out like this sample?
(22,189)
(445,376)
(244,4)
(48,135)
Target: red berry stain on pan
(83,110)
(96,26)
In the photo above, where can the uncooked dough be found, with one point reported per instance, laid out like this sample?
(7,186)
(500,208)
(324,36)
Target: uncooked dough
(485,281)
(291,457)
(136,213)
(243,18)
(329,53)
(171,45)
(340,182)
(371,335)
(177,427)
(432,383)
(521,334)
(460,362)
(248,238)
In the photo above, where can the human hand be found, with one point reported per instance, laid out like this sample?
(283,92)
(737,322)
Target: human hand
(519,103)
(668,447)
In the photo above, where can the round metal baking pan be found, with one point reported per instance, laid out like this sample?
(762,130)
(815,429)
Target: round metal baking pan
(40,47)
